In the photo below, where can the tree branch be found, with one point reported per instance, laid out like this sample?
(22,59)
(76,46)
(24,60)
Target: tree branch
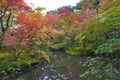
(1,18)
(8,20)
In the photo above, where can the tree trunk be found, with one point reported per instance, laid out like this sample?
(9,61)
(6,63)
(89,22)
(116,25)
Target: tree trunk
(1,41)
(15,58)
(16,54)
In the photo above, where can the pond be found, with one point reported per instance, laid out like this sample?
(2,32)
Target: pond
(62,67)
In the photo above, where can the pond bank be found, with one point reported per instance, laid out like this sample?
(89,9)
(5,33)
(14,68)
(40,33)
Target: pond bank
(10,68)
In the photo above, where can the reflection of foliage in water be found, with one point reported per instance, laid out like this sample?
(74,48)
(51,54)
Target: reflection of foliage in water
(73,64)
(62,67)
(50,72)
(99,69)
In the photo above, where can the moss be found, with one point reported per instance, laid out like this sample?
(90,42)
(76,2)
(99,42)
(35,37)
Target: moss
(73,50)
(58,46)
(8,66)
(78,51)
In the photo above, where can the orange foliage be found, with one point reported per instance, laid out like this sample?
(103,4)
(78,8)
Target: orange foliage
(30,20)
(16,4)
(40,27)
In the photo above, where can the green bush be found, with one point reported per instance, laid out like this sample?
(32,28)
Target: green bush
(73,50)
(58,46)
(98,69)
(8,66)
(110,48)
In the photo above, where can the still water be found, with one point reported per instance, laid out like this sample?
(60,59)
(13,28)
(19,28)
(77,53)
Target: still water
(62,67)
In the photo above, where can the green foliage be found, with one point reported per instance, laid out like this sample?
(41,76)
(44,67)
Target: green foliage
(73,50)
(109,4)
(7,66)
(105,27)
(110,18)
(78,50)
(62,23)
(69,7)
(41,52)
(88,4)
(60,42)
(39,9)
(37,48)
(86,40)
(60,45)
(110,48)
(98,69)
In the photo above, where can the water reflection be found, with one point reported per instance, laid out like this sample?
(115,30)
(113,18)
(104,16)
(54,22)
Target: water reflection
(62,67)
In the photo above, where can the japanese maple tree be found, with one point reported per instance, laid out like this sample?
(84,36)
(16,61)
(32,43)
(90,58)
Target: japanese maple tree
(40,28)
(64,11)
(8,11)
(16,41)
(36,22)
